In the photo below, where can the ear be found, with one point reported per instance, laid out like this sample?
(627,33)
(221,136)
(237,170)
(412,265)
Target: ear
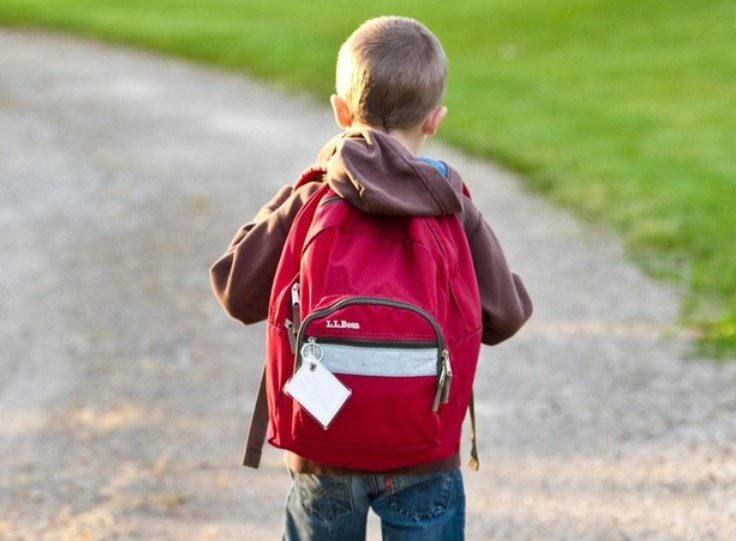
(340,107)
(433,120)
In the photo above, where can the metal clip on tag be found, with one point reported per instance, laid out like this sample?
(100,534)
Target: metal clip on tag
(312,354)
(315,388)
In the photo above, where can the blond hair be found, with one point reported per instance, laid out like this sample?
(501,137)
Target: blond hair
(391,72)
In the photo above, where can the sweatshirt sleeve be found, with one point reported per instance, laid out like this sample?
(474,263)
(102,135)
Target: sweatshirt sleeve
(242,278)
(505,303)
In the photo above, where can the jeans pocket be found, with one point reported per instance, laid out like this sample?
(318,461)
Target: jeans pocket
(323,496)
(422,497)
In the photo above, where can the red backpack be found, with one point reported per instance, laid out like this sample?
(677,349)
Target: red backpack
(390,306)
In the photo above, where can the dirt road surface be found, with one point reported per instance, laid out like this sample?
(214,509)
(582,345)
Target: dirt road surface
(125,391)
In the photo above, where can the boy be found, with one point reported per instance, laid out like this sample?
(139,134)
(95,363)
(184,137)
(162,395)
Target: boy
(390,82)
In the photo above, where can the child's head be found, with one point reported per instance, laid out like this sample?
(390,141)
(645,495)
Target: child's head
(391,73)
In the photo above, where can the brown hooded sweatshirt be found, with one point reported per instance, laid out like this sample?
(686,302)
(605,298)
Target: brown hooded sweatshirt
(376,174)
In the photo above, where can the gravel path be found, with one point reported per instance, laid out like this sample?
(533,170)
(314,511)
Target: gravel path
(125,391)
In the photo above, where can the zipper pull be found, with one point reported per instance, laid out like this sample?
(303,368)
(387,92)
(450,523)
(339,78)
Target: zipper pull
(292,335)
(438,396)
(440,389)
(448,377)
(295,294)
(443,384)
(296,317)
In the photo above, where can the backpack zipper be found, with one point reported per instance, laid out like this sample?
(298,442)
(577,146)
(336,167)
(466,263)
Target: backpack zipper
(375,301)
(444,369)
(367,342)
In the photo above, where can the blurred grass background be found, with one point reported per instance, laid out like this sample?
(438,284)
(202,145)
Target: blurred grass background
(623,111)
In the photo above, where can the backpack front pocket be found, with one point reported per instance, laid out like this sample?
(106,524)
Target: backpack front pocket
(391,356)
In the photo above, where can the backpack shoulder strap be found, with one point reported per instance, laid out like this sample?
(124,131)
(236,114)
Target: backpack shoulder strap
(466,191)
(474,463)
(258,427)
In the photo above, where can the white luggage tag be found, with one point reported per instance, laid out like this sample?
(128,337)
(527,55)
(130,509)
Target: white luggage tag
(316,389)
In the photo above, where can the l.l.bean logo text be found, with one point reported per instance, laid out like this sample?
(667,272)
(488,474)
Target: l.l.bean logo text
(341,324)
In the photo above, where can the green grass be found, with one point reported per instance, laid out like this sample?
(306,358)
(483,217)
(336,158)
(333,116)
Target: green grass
(624,111)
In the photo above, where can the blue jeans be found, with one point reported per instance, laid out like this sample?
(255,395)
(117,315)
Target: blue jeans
(411,508)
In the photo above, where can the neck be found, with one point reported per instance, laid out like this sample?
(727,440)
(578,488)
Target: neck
(412,139)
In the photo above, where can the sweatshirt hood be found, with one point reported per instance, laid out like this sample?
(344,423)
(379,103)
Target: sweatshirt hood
(376,174)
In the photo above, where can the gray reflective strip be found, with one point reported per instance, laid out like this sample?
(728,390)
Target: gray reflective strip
(380,361)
